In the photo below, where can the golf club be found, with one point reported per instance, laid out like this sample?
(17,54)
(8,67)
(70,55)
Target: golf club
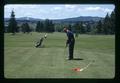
(64,51)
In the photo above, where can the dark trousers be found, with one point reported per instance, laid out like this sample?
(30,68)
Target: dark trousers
(71,50)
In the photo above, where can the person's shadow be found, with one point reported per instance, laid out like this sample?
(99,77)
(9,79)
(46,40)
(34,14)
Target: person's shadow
(77,59)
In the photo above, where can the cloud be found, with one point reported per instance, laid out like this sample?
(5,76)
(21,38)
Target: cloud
(24,10)
(92,8)
(70,6)
(80,9)
(57,8)
(95,9)
(107,10)
(98,9)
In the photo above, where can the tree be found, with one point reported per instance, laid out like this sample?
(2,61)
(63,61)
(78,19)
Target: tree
(17,29)
(112,20)
(12,26)
(82,28)
(51,26)
(25,28)
(106,25)
(48,26)
(99,28)
(77,29)
(39,27)
(88,27)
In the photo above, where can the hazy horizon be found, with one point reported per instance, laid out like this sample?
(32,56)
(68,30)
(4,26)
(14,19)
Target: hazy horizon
(58,18)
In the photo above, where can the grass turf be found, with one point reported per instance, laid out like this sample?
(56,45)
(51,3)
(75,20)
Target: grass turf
(23,60)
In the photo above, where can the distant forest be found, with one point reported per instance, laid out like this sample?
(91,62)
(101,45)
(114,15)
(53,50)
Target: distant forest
(88,25)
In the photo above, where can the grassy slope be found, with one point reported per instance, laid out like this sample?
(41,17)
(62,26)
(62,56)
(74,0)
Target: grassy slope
(23,60)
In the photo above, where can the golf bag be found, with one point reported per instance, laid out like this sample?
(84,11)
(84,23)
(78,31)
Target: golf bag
(39,43)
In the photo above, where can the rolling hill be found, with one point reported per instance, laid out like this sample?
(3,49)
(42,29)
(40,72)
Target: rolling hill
(74,19)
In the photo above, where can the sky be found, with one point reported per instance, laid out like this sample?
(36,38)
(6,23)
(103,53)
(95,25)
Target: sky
(57,11)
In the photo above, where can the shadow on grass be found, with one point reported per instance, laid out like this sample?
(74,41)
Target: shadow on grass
(43,46)
(77,59)
(40,46)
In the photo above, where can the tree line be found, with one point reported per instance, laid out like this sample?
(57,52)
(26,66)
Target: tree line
(45,26)
(42,26)
(104,26)
(107,26)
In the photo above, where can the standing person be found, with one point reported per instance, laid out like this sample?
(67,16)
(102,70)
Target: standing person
(70,41)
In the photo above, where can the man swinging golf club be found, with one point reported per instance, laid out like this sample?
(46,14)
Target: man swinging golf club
(70,41)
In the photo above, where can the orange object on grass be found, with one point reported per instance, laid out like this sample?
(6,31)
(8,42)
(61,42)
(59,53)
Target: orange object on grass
(76,69)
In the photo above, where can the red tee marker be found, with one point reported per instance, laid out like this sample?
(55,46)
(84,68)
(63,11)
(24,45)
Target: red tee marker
(76,69)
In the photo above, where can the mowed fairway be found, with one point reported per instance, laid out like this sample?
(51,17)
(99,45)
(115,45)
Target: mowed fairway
(23,60)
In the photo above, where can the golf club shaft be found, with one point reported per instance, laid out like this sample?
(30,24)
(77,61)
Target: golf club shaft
(64,50)
(87,66)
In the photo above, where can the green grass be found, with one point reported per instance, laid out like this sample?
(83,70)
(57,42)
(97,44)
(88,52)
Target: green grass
(23,60)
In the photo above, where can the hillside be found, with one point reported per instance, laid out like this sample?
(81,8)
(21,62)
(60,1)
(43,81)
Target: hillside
(67,20)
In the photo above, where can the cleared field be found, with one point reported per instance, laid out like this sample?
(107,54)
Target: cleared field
(23,60)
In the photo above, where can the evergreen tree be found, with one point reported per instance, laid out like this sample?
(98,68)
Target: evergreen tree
(112,20)
(77,29)
(46,25)
(88,28)
(25,28)
(39,27)
(106,25)
(82,29)
(51,26)
(17,29)
(12,26)
(99,28)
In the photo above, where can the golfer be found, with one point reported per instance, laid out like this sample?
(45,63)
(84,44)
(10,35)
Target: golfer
(70,41)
